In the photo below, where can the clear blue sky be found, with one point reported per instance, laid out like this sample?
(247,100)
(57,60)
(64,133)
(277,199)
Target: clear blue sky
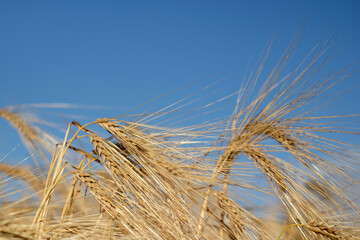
(122,53)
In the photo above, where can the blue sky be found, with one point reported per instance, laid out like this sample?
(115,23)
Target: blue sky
(123,53)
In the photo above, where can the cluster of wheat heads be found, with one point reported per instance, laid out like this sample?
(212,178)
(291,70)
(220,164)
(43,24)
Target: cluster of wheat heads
(271,170)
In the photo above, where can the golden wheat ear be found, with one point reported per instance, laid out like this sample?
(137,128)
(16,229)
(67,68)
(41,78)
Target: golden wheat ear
(25,174)
(35,139)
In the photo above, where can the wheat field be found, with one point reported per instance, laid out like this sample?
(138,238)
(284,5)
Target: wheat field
(273,169)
